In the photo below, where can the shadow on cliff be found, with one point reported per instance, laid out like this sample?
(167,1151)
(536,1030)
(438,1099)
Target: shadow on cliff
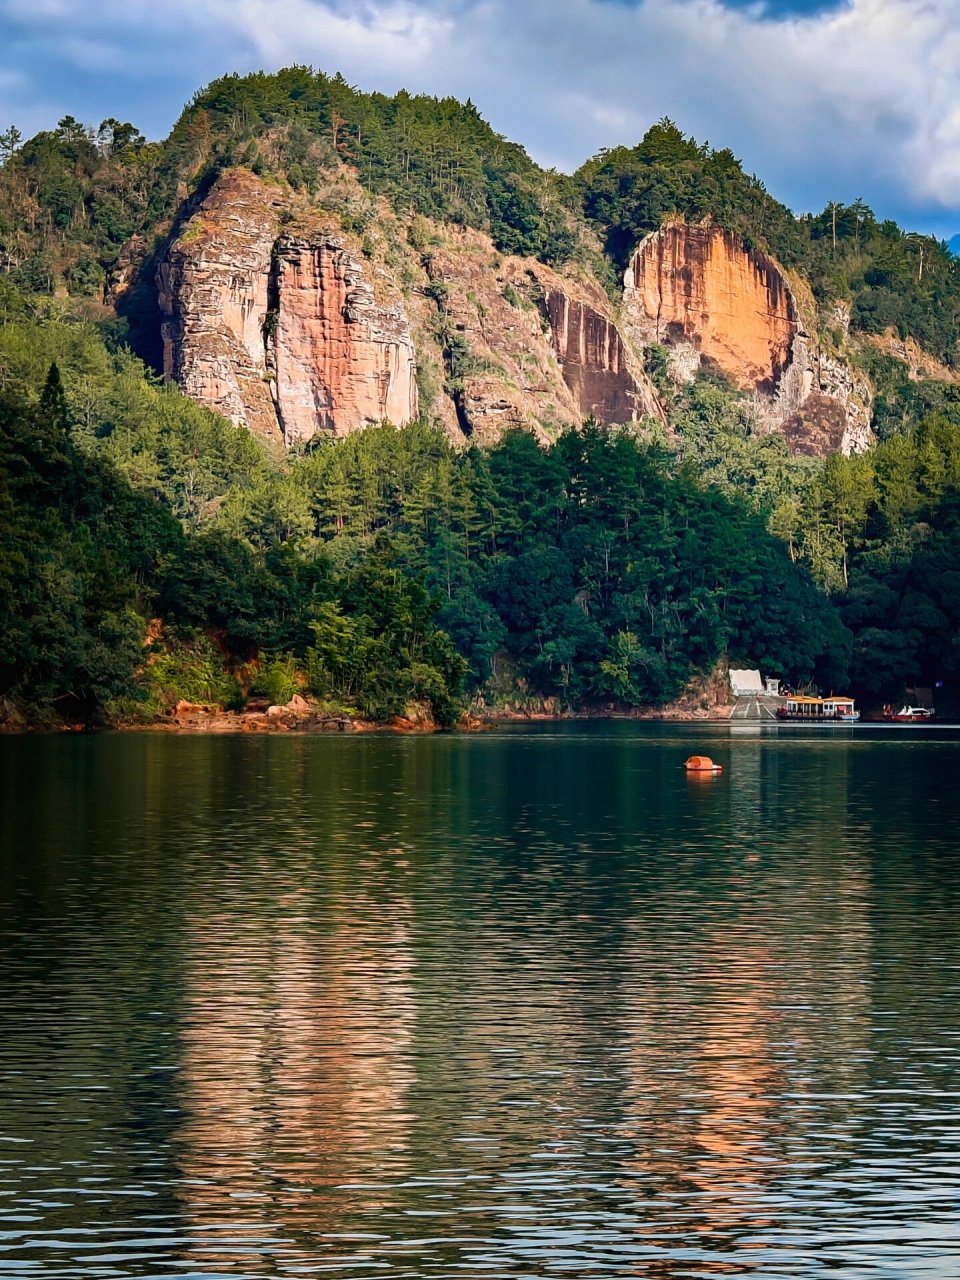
(138,305)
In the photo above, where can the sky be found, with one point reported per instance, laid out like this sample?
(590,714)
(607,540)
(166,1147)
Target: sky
(823,99)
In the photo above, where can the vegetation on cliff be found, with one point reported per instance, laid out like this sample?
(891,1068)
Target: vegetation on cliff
(71,198)
(434,156)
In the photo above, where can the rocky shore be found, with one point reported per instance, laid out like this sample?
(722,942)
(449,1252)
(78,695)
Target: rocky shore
(302,716)
(703,703)
(296,716)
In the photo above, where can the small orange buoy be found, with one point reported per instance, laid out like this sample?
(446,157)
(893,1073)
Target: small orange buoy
(702,764)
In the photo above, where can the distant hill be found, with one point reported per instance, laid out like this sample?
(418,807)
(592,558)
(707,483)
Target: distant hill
(953,244)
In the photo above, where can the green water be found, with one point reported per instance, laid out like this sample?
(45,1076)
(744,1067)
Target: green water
(530,1003)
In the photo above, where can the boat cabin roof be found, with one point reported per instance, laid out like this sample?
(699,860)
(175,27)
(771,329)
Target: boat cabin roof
(803,699)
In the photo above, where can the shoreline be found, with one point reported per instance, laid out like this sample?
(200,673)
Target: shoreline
(308,719)
(300,716)
(216,723)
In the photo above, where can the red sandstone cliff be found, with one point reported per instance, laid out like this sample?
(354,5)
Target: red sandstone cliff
(699,291)
(603,376)
(699,285)
(276,317)
(537,349)
(282,333)
(340,359)
(213,286)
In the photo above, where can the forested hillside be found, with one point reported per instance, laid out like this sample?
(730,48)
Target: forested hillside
(71,198)
(151,551)
(586,571)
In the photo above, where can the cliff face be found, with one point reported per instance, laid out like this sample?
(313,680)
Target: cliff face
(527,347)
(282,333)
(274,317)
(602,375)
(213,287)
(340,359)
(701,293)
(822,404)
(699,286)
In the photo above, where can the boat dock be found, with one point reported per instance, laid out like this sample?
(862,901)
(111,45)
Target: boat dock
(756,707)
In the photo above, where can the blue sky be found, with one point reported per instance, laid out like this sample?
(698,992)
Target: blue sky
(823,100)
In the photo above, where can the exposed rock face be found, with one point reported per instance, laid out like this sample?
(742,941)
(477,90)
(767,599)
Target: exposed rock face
(601,375)
(213,288)
(699,286)
(822,404)
(818,428)
(701,293)
(534,349)
(339,358)
(273,317)
(283,334)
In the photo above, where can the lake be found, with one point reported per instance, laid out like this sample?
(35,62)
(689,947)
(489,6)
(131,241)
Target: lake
(526,1003)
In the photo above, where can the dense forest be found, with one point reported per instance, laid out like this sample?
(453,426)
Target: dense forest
(111,609)
(149,551)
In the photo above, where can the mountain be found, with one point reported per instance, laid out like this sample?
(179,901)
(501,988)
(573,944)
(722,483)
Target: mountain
(953,244)
(450,272)
(649,416)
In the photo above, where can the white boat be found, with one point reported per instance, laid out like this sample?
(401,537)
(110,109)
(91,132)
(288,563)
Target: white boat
(910,715)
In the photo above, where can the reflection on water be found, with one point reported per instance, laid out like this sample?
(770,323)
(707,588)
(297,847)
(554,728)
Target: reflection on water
(522,1004)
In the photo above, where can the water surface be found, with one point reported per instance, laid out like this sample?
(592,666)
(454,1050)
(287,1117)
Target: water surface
(531,1003)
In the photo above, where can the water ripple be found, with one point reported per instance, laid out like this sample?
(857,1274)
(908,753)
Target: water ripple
(520,1005)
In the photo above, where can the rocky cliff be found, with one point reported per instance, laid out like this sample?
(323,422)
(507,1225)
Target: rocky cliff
(524,346)
(282,331)
(603,376)
(213,292)
(339,357)
(697,287)
(700,292)
(277,318)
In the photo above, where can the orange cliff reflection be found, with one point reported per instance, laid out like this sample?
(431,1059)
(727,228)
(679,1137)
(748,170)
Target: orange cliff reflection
(719,1039)
(740,1079)
(296,1051)
(704,1096)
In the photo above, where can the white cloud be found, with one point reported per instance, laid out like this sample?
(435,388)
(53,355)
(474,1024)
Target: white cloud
(860,100)
(394,36)
(93,55)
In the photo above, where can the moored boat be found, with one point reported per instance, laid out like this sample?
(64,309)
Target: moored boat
(811,710)
(909,715)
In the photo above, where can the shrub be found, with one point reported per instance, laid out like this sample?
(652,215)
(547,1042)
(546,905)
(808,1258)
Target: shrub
(276,679)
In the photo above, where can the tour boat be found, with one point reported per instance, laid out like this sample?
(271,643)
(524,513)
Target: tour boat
(810,710)
(909,715)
